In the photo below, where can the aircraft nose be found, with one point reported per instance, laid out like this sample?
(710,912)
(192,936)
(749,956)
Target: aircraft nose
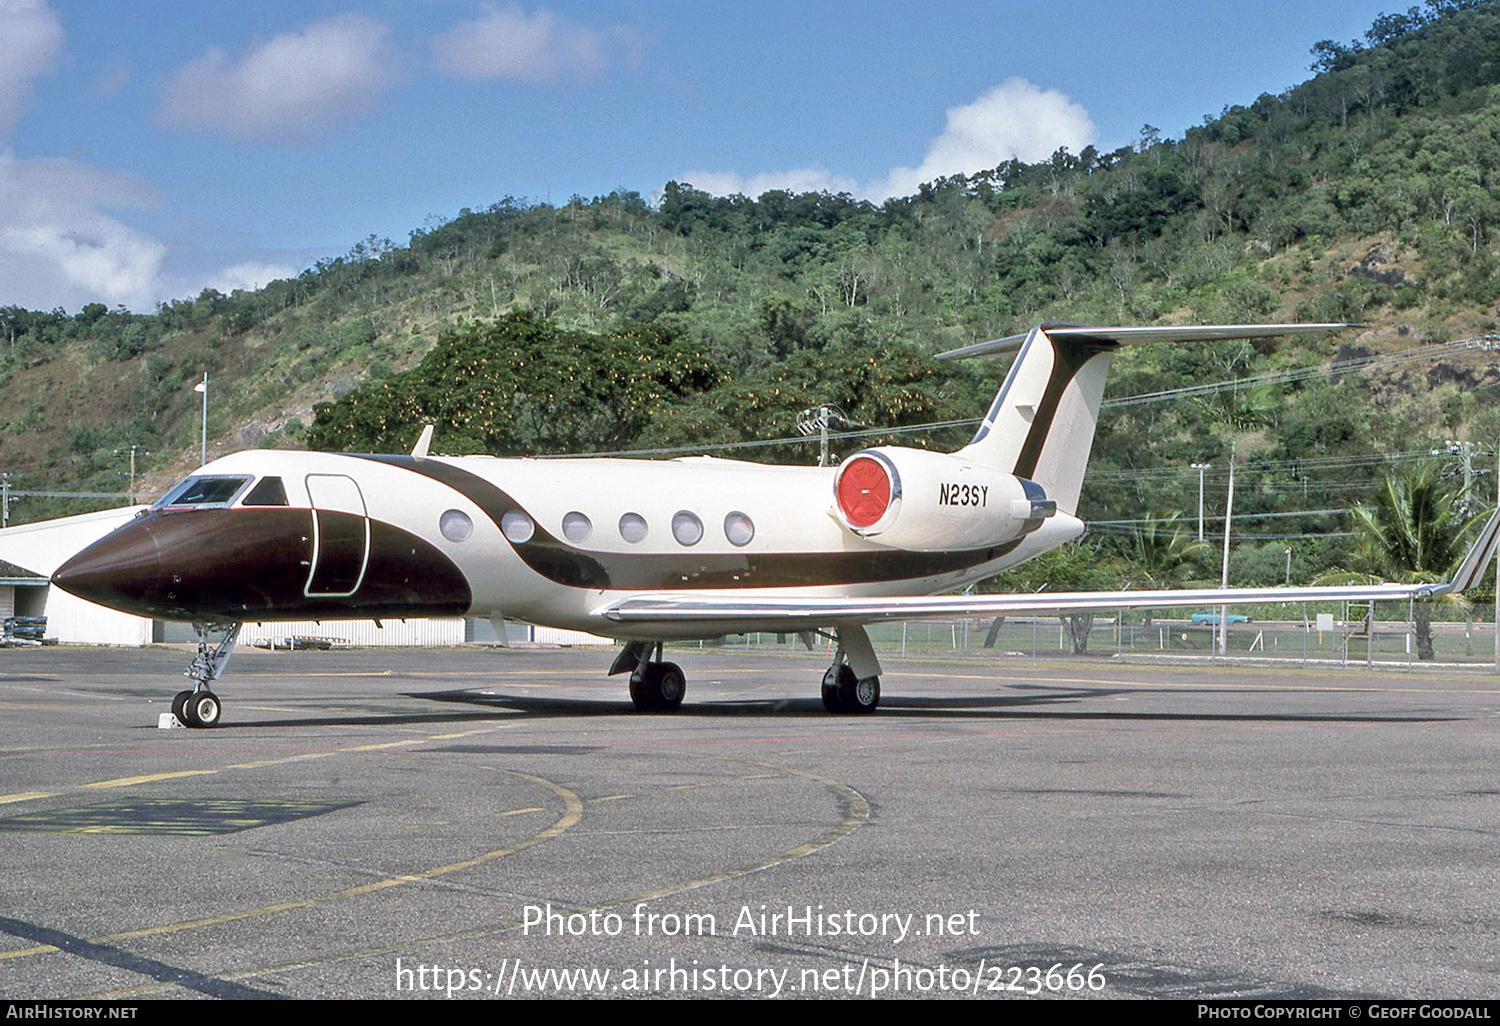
(229,565)
(203,565)
(122,570)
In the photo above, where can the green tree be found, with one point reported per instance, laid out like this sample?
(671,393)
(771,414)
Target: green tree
(520,384)
(1163,552)
(1411,532)
(1078,566)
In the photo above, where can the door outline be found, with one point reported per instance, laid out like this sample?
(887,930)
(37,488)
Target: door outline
(334,503)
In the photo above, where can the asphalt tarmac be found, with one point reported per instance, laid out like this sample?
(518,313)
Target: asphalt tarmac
(481,823)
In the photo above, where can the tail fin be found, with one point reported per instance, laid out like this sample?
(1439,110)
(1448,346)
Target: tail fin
(1041,424)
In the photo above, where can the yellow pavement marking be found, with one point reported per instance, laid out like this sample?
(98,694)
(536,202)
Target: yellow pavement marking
(572,814)
(611,797)
(387,744)
(25,796)
(346,673)
(149,778)
(285,759)
(260,764)
(518,812)
(857,812)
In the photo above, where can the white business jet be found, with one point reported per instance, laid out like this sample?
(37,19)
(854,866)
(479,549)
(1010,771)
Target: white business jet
(651,551)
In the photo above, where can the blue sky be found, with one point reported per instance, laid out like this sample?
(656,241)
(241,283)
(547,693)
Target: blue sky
(149,149)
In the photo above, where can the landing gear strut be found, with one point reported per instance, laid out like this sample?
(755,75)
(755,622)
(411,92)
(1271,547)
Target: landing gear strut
(655,686)
(199,706)
(852,683)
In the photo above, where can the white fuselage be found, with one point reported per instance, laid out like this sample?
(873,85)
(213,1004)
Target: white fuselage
(548,541)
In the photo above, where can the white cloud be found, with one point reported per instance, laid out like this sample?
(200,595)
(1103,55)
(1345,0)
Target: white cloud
(250,276)
(59,248)
(506,42)
(32,38)
(290,89)
(1013,120)
(802,179)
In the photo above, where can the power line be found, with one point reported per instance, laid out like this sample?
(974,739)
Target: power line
(1243,516)
(1480,343)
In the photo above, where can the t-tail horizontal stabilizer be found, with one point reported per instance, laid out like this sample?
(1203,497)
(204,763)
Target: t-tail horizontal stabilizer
(1041,425)
(1131,335)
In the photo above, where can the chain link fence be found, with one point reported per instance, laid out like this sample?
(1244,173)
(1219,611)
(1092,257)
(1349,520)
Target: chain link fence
(1351,636)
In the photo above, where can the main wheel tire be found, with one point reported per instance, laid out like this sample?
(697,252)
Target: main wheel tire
(833,682)
(658,687)
(859,696)
(179,705)
(203,709)
(642,690)
(671,686)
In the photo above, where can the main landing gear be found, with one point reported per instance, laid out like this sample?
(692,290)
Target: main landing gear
(199,706)
(655,686)
(851,685)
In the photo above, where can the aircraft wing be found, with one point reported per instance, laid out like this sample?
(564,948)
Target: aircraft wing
(771,612)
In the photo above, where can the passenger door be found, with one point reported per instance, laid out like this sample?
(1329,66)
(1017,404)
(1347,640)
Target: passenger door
(341,536)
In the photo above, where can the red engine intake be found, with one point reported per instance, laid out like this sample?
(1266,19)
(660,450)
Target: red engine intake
(865,489)
(932,501)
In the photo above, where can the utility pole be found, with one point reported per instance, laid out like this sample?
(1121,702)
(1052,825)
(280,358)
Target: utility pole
(5,513)
(130,493)
(1200,468)
(817,420)
(1465,452)
(1224,577)
(202,386)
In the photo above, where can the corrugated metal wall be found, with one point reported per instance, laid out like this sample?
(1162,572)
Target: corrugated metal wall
(391,633)
(396,633)
(556,636)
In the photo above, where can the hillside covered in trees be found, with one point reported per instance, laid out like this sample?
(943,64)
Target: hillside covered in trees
(685,321)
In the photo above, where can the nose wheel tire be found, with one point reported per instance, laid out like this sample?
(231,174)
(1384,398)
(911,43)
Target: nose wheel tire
(658,687)
(201,709)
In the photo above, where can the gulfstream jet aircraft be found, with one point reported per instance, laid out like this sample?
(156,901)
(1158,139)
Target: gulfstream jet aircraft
(647,552)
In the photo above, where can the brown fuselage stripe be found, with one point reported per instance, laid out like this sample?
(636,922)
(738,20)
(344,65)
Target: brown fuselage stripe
(563,564)
(253,564)
(1069,357)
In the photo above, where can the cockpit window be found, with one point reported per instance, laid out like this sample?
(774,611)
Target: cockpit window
(203,492)
(270,492)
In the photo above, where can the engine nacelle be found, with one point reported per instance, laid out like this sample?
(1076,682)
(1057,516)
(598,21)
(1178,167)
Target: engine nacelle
(924,501)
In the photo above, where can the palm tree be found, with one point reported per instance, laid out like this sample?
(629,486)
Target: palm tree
(1413,531)
(1163,552)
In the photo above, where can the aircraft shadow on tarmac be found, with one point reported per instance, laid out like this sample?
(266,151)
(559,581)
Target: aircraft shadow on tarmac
(1004,706)
(474,705)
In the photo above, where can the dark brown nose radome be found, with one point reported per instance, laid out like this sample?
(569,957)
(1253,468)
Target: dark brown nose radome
(264,564)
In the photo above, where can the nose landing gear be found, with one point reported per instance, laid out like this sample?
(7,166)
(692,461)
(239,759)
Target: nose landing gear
(199,706)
